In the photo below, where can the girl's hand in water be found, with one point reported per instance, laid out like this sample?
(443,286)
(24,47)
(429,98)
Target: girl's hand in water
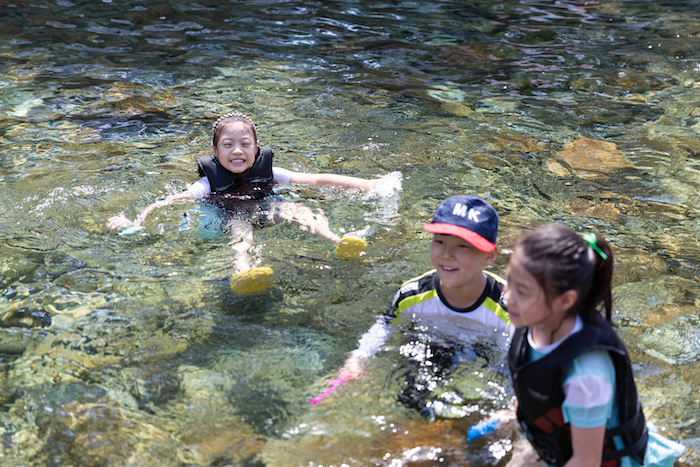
(504,415)
(119,222)
(369,185)
(484,427)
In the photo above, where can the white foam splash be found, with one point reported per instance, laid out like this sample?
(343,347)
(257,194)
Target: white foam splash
(389,186)
(388,194)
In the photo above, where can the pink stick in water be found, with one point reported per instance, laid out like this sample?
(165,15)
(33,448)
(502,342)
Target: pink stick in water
(333,385)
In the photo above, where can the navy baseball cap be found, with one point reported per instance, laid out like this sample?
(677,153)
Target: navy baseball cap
(469,218)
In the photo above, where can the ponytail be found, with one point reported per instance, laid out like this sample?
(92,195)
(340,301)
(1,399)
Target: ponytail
(601,286)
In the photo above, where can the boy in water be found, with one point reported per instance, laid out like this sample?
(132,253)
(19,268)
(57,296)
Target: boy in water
(458,295)
(239,175)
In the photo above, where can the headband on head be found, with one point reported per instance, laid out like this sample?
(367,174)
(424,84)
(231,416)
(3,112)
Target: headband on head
(240,116)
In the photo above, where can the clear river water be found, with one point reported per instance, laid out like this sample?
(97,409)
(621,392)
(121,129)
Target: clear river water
(134,351)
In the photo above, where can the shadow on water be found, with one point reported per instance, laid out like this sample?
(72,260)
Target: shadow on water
(120,350)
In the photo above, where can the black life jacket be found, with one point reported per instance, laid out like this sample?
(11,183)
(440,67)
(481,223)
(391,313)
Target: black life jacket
(539,388)
(257,184)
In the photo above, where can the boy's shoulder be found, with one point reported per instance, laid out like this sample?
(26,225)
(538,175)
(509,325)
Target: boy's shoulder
(494,282)
(493,295)
(424,278)
(419,285)
(428,281)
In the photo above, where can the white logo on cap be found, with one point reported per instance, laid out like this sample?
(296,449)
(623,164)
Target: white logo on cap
(461,210)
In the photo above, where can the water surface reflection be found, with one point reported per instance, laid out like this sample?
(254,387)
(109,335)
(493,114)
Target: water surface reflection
(133,350)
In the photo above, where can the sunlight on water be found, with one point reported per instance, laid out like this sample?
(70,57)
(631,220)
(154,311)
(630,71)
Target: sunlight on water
(134,350)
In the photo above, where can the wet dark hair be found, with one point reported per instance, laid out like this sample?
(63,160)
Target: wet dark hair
(560,259)
(225,119)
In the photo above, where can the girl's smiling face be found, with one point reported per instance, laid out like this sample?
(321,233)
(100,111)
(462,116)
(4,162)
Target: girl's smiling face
(236,148)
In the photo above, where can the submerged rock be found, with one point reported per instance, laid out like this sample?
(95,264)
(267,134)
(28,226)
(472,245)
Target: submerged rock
(97,434)
(214,435)
(592,158)
(14,341)
(676,342)
(13,269)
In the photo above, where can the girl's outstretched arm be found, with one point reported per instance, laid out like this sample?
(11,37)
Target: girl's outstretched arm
(121,222)
(342,181)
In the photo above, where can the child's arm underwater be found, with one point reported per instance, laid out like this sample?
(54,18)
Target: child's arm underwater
(351,370)
(370,343)
(121,222)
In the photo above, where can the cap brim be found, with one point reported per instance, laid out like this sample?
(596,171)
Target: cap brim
(479,242)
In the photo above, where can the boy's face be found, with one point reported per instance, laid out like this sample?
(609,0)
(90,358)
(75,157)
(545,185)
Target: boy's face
(236,148)
(458,262)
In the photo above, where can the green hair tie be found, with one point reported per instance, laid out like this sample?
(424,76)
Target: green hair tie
(592,240)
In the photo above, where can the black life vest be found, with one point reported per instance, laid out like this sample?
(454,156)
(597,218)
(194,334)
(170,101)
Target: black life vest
(256,184)
(539,388)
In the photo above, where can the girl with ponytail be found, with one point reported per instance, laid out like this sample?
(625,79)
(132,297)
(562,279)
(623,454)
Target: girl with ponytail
(576,397)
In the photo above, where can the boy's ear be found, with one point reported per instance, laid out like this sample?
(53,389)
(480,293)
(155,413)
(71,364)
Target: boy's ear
(491,257)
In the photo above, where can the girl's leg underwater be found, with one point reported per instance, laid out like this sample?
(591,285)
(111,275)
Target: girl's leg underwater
(241,242)
(247,280)
(348,247)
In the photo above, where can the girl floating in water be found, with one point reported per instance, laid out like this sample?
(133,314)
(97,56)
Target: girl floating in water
(239,176)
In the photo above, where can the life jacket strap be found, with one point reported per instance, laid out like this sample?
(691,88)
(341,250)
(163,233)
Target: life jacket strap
(635,450)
